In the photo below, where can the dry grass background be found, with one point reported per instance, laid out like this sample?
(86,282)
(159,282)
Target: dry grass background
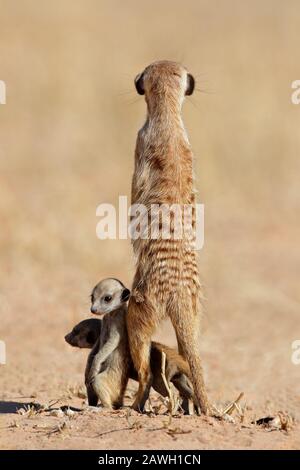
(67,137)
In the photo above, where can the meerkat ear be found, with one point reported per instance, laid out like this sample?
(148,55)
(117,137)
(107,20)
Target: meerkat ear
(125,295)
(190,85)
(139,84)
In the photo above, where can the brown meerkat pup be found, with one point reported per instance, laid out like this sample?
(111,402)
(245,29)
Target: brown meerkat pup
(166,282)
(86,335)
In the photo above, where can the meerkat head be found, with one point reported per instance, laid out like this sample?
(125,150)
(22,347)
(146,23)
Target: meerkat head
(84,334)
(108,295)
(164,79)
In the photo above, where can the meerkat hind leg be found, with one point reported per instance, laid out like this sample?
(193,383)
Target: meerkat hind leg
(92,396)
(145,376)
(140,345)
(101,387)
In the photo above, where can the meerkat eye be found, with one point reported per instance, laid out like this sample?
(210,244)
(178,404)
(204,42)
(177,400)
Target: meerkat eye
(190,85)
(107,298)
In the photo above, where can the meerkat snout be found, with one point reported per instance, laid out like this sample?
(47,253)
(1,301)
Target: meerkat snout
(68,338)
(108,295)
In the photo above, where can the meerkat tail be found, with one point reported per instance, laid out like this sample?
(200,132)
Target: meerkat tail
(189,351)
(185,321)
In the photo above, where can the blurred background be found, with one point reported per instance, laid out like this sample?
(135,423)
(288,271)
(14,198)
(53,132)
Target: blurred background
(67,137)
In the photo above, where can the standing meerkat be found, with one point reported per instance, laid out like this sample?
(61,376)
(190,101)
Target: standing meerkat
(166,281)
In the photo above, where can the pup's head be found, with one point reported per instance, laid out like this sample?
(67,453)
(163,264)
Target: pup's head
(108,295)
(164,79)
(85,333)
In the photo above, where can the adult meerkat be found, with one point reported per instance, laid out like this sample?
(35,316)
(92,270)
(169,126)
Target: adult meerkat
(177,370)
(166,281)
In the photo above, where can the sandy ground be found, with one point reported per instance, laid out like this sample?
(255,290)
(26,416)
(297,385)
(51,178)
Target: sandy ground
(239,353)
(67,135)
(45,377)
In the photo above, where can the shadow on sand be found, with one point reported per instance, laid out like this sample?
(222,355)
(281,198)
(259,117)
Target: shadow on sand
(9,407)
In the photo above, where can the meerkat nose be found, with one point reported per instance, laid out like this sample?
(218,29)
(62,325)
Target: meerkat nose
(93,309)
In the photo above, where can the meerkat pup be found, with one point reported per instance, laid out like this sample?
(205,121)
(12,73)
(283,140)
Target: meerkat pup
(86,334)
(107,369)
(166,281)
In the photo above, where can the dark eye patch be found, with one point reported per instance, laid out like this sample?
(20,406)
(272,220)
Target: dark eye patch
(107,298)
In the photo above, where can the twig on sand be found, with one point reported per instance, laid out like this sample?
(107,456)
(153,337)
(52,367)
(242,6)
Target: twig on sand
(234,406)
(229,409)
(172,403)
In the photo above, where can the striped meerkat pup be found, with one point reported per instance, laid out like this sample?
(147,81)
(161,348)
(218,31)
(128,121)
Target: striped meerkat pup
(166,281)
